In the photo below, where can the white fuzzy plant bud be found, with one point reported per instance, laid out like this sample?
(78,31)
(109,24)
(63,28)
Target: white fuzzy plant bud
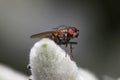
(118,79)
(49,62)
(7,73)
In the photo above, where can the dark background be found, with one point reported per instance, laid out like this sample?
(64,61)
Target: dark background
(98,21)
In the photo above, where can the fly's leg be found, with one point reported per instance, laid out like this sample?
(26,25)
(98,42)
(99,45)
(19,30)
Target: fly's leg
(71,48)
(71,55)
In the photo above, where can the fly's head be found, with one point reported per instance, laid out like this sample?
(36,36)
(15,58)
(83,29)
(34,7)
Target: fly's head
(73,32)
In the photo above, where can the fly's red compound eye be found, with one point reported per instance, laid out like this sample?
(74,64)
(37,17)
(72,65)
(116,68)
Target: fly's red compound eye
(70,31)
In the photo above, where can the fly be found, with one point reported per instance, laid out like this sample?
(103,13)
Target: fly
(61,35)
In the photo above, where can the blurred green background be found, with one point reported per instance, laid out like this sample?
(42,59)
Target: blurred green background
(98,21)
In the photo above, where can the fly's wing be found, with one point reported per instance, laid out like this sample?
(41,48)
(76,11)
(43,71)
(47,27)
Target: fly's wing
(43,34)
(61,27)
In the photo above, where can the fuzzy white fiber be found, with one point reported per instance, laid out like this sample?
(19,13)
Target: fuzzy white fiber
(49,62)
(118,79)
(7,73)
